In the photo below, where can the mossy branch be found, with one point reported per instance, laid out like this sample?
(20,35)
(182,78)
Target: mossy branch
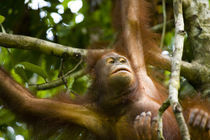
(57,82)
(175,75)
(30,43)
(189,70)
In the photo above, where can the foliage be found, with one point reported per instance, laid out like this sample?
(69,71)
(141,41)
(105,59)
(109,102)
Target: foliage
(56,21)
(62,22)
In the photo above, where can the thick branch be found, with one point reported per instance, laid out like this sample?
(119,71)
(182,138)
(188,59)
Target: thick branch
(30,43)
(191,71)
(197,19)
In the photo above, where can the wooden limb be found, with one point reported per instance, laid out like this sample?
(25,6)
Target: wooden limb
(61,80)
(30,43)
(159,27)
(194,72)
(21,101)
(175,69)
(175,75)
(162,109)
(164,24)
(58,82)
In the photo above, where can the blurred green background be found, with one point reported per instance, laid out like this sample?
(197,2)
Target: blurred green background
(76,23)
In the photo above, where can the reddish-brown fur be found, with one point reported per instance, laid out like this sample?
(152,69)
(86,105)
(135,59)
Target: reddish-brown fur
(107,119)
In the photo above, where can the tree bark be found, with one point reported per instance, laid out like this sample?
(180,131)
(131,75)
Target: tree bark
(197,18)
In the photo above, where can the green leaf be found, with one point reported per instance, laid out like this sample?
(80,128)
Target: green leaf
(2,18)
(70,82)
(32,68)
(20,70)
(81,84)
(65,4)
(6,116)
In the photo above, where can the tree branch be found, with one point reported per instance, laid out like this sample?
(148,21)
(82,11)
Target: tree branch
(159,27)
(61,79)
(57,82)
(164,23)
(197,19)
(161,110)
(175,72)
(191,71)
(30,43)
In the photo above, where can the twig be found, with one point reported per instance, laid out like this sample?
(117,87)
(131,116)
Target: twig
(162,109)
(60,74)
(69,72)
(57,82)
(76,66)
(159,27)
(60,68)
(61,80)
(164,24)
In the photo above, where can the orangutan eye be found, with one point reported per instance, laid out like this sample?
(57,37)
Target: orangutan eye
(122,60)
(110,60)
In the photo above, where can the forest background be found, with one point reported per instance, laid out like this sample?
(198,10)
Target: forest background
(80,24)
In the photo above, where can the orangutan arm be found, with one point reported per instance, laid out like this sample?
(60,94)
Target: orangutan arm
(19,100)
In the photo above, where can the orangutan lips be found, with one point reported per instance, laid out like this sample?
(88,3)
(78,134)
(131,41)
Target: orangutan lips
(120,69)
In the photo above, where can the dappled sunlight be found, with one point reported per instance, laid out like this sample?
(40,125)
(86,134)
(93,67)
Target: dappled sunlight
(75,6)
(36,4)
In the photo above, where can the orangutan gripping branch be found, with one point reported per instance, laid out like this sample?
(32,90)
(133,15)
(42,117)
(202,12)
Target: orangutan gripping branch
(122,102)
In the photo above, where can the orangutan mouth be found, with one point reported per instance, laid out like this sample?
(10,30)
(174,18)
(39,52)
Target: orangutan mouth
(121,70)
